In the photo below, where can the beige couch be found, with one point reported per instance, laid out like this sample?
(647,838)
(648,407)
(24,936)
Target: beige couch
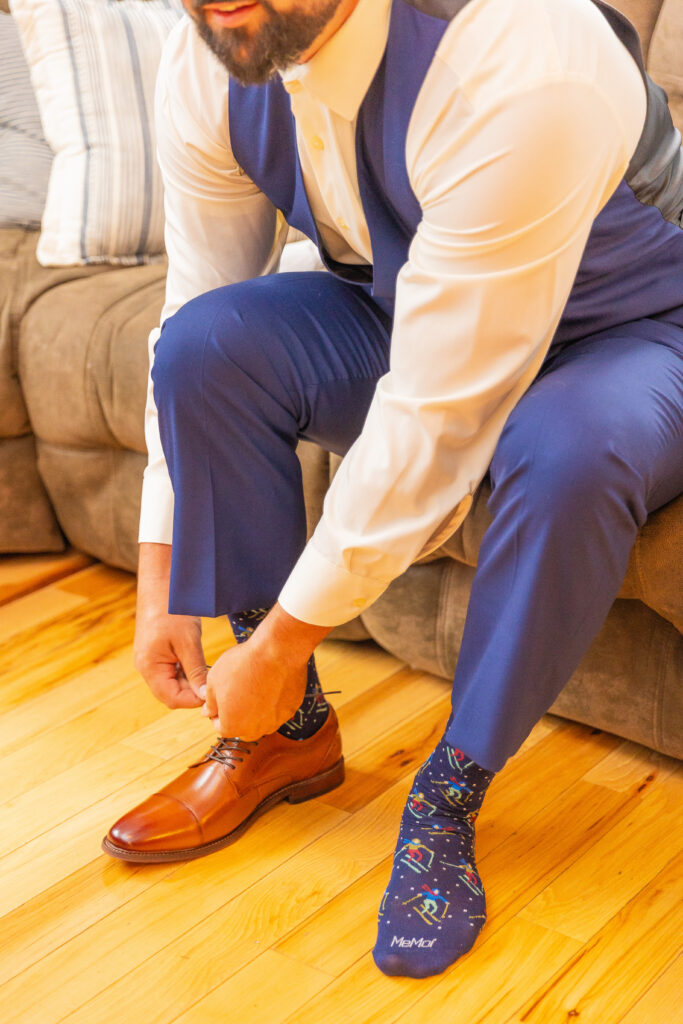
(72,387)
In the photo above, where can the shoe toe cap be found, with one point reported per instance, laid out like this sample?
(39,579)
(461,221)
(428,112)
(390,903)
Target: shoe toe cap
(157,825)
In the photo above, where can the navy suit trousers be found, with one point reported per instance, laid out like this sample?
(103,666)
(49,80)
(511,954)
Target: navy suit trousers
(595,445)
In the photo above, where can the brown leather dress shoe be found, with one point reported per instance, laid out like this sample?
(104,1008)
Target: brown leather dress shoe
(212,803)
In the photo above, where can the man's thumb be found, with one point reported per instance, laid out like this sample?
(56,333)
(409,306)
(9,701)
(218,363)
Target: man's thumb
(194,667)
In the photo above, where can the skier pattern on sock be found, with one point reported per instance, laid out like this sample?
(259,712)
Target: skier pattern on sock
(430,905)
(434,905)
(314,709)
(419,806)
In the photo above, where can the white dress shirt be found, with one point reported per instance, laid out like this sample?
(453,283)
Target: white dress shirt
(523,128)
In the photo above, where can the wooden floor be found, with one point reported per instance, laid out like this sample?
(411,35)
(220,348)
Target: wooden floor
(580,846)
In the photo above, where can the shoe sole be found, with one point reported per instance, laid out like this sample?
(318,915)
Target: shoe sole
(295,793)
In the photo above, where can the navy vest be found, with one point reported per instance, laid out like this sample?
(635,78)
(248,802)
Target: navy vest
(633,262)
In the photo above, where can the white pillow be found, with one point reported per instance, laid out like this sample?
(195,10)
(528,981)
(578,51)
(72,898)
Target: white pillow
(25,157)
(93,68)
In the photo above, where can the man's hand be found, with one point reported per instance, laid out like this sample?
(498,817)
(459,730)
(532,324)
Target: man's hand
(168,648)
(257,686)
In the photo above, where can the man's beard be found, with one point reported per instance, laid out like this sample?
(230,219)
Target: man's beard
(253,58)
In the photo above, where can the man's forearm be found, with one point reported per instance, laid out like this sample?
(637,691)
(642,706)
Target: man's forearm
(287,638)
(154,574)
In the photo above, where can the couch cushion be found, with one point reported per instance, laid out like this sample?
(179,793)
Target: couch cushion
(643,14)
(655,569)
(13,414)
(22,282)
(628,682)
(83,358)
(96,495)
(27,522)
(665,60)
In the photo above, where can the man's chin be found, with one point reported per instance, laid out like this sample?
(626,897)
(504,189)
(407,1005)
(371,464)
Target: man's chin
(233,51)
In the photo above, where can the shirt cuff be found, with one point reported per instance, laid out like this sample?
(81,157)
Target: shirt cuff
(156,513)
(324,594)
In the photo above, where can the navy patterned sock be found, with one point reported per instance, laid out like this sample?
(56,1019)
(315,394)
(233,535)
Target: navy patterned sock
(434,906)
(314,708)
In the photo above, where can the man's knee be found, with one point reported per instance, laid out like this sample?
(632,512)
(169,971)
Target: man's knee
(566,464)
(205,342)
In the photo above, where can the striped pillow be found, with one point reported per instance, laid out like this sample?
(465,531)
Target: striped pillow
(93,66)
(25,157)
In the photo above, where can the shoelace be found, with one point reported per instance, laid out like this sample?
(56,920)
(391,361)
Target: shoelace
(226,749)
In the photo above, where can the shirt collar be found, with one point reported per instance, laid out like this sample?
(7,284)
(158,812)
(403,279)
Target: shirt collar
(340,73)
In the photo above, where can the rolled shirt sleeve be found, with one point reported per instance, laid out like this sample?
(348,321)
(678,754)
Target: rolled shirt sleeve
(509,179)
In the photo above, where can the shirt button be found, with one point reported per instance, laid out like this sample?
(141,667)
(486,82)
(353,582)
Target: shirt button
(360,602)
(341,223)
(317,142)
(293,86)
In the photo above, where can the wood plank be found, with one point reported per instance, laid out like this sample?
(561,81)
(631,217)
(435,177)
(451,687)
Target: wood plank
(385,705)
(35,715)
(272,985)
(235,933)
(489,984)
(578,835)
(57,913)
(362,995)
(607,876)
(380,758)
(84,629)
(631,766)
(483,988)
(343,930)
(606,977)
(92,582)
(40,608)
(543,728)
(662,1001)
(72,742)
(22,574)
(536,778)
(72,844)
(49,700)
(68,793)
(527,861)
(515,799)
(168,736)
(345,665)
(153,920)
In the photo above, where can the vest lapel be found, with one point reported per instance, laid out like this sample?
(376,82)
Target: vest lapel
(263,141)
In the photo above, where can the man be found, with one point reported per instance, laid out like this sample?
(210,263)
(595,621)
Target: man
(489,185)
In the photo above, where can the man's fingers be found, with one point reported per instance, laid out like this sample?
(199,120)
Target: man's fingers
(212,711)
(169,689)
(193,664)
(215,722)
(185,698)
(208,694)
